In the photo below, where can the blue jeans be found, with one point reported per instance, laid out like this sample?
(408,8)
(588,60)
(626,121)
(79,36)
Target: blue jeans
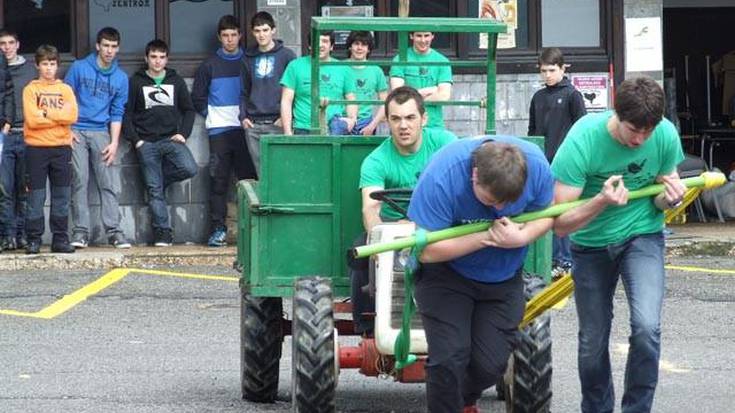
(12,178)
(164,162)
(338,126)
(639,262)
(561,250)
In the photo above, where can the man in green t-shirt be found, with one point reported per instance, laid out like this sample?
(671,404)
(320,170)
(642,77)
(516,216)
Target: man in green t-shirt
(602,157)
(433,82)
(395,163)
(335,83)
(370,84)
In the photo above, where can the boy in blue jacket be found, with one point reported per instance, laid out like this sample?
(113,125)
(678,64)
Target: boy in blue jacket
(217,95)
(101,88)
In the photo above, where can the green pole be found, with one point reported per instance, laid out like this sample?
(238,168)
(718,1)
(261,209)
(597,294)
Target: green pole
(550,212)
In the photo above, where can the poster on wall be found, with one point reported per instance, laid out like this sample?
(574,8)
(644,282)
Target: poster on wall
(505,11)
(643,44)
(594,90)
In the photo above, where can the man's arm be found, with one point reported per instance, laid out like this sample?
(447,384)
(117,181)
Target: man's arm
(129,131)
(440,93)
(287,96)
(378,117)
(396,82)
(8,102)
(613,192)
(370,208)
(200,89)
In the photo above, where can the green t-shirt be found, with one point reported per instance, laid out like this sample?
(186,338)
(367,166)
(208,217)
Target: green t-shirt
(589,155)
(425,76)
(386,168)
(369,81)
(336,82)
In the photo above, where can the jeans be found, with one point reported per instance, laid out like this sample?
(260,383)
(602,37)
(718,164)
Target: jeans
(338,126)
(86,155)
(12,178)
(253,135)
(639,262)
(227,153)
(561,250)
(164,162)
(471,328)
(52,163)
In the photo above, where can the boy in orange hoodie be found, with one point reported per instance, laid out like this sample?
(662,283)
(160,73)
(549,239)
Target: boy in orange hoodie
(49,110)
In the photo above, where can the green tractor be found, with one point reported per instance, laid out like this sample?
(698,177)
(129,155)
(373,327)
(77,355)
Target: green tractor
(294,227)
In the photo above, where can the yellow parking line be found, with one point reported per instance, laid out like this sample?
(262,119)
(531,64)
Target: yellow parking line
(71,300)
(699,269)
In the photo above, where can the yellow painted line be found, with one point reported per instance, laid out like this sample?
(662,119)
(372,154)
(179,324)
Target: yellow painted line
(185,275)
(72,300)
(699,269)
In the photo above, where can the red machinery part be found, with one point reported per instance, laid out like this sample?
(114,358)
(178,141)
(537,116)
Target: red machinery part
(366,357)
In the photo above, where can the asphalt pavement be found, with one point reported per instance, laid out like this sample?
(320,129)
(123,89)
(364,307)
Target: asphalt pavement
(142,341)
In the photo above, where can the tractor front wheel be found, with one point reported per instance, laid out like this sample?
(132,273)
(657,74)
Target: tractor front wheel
(261,339)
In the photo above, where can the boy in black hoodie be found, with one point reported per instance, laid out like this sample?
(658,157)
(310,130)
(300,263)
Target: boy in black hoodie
(264,67)
(158,119)
(554,109)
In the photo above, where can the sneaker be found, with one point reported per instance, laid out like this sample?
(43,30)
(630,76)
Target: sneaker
(34,247)
(20,242)
(118,240)
(218,238)
(79,240)
(63,247)
(163,237)
(8,243)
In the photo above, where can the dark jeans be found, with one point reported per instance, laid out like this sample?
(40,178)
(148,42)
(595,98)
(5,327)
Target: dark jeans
(228,152)
(164,162)
(363,302)
(471,328)
(54,164)
(12,178)
(639,263)
(561,250)
(338,126)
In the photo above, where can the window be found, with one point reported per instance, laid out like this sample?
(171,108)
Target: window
(135,19)
(194,24)
(583,28)
(39,22)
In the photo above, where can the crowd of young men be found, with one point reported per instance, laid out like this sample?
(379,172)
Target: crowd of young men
(469,290)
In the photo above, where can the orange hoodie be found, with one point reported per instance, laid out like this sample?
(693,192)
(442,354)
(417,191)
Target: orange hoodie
(49,110)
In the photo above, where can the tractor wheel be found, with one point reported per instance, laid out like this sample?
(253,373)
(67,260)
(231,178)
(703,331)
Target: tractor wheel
(528,379)
(314,378)
(261,339)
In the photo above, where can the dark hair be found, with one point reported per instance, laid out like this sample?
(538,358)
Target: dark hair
(227,22)
(46,52)
(501,170)
(640,101)
(108,33)
(329,33)
(402,95)
(156,45)
(261,18)
(362,37)
(551,56)
(9,32)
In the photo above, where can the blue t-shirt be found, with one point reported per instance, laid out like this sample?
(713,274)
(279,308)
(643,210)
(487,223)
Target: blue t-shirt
(443,198)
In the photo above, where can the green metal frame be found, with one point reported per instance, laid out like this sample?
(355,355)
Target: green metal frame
(403,26)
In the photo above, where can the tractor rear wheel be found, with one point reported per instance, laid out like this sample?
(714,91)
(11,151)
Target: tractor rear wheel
(314,378)
(261,339)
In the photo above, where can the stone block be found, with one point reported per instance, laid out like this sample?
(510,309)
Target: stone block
(199,185)
(133,189)
(198,143)
(190,223)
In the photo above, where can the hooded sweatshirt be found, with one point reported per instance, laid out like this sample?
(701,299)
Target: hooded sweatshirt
(49,110)
(22,72)
(554,109)
(217,91)
(262,87)
(101,93)
(156,112)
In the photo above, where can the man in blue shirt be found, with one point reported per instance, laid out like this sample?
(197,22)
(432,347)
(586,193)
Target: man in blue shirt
(469,290)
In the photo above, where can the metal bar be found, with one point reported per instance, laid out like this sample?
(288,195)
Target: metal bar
(314,79)
(490,79)
(707,180)
(479,103)
(458,63)
(413,24)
